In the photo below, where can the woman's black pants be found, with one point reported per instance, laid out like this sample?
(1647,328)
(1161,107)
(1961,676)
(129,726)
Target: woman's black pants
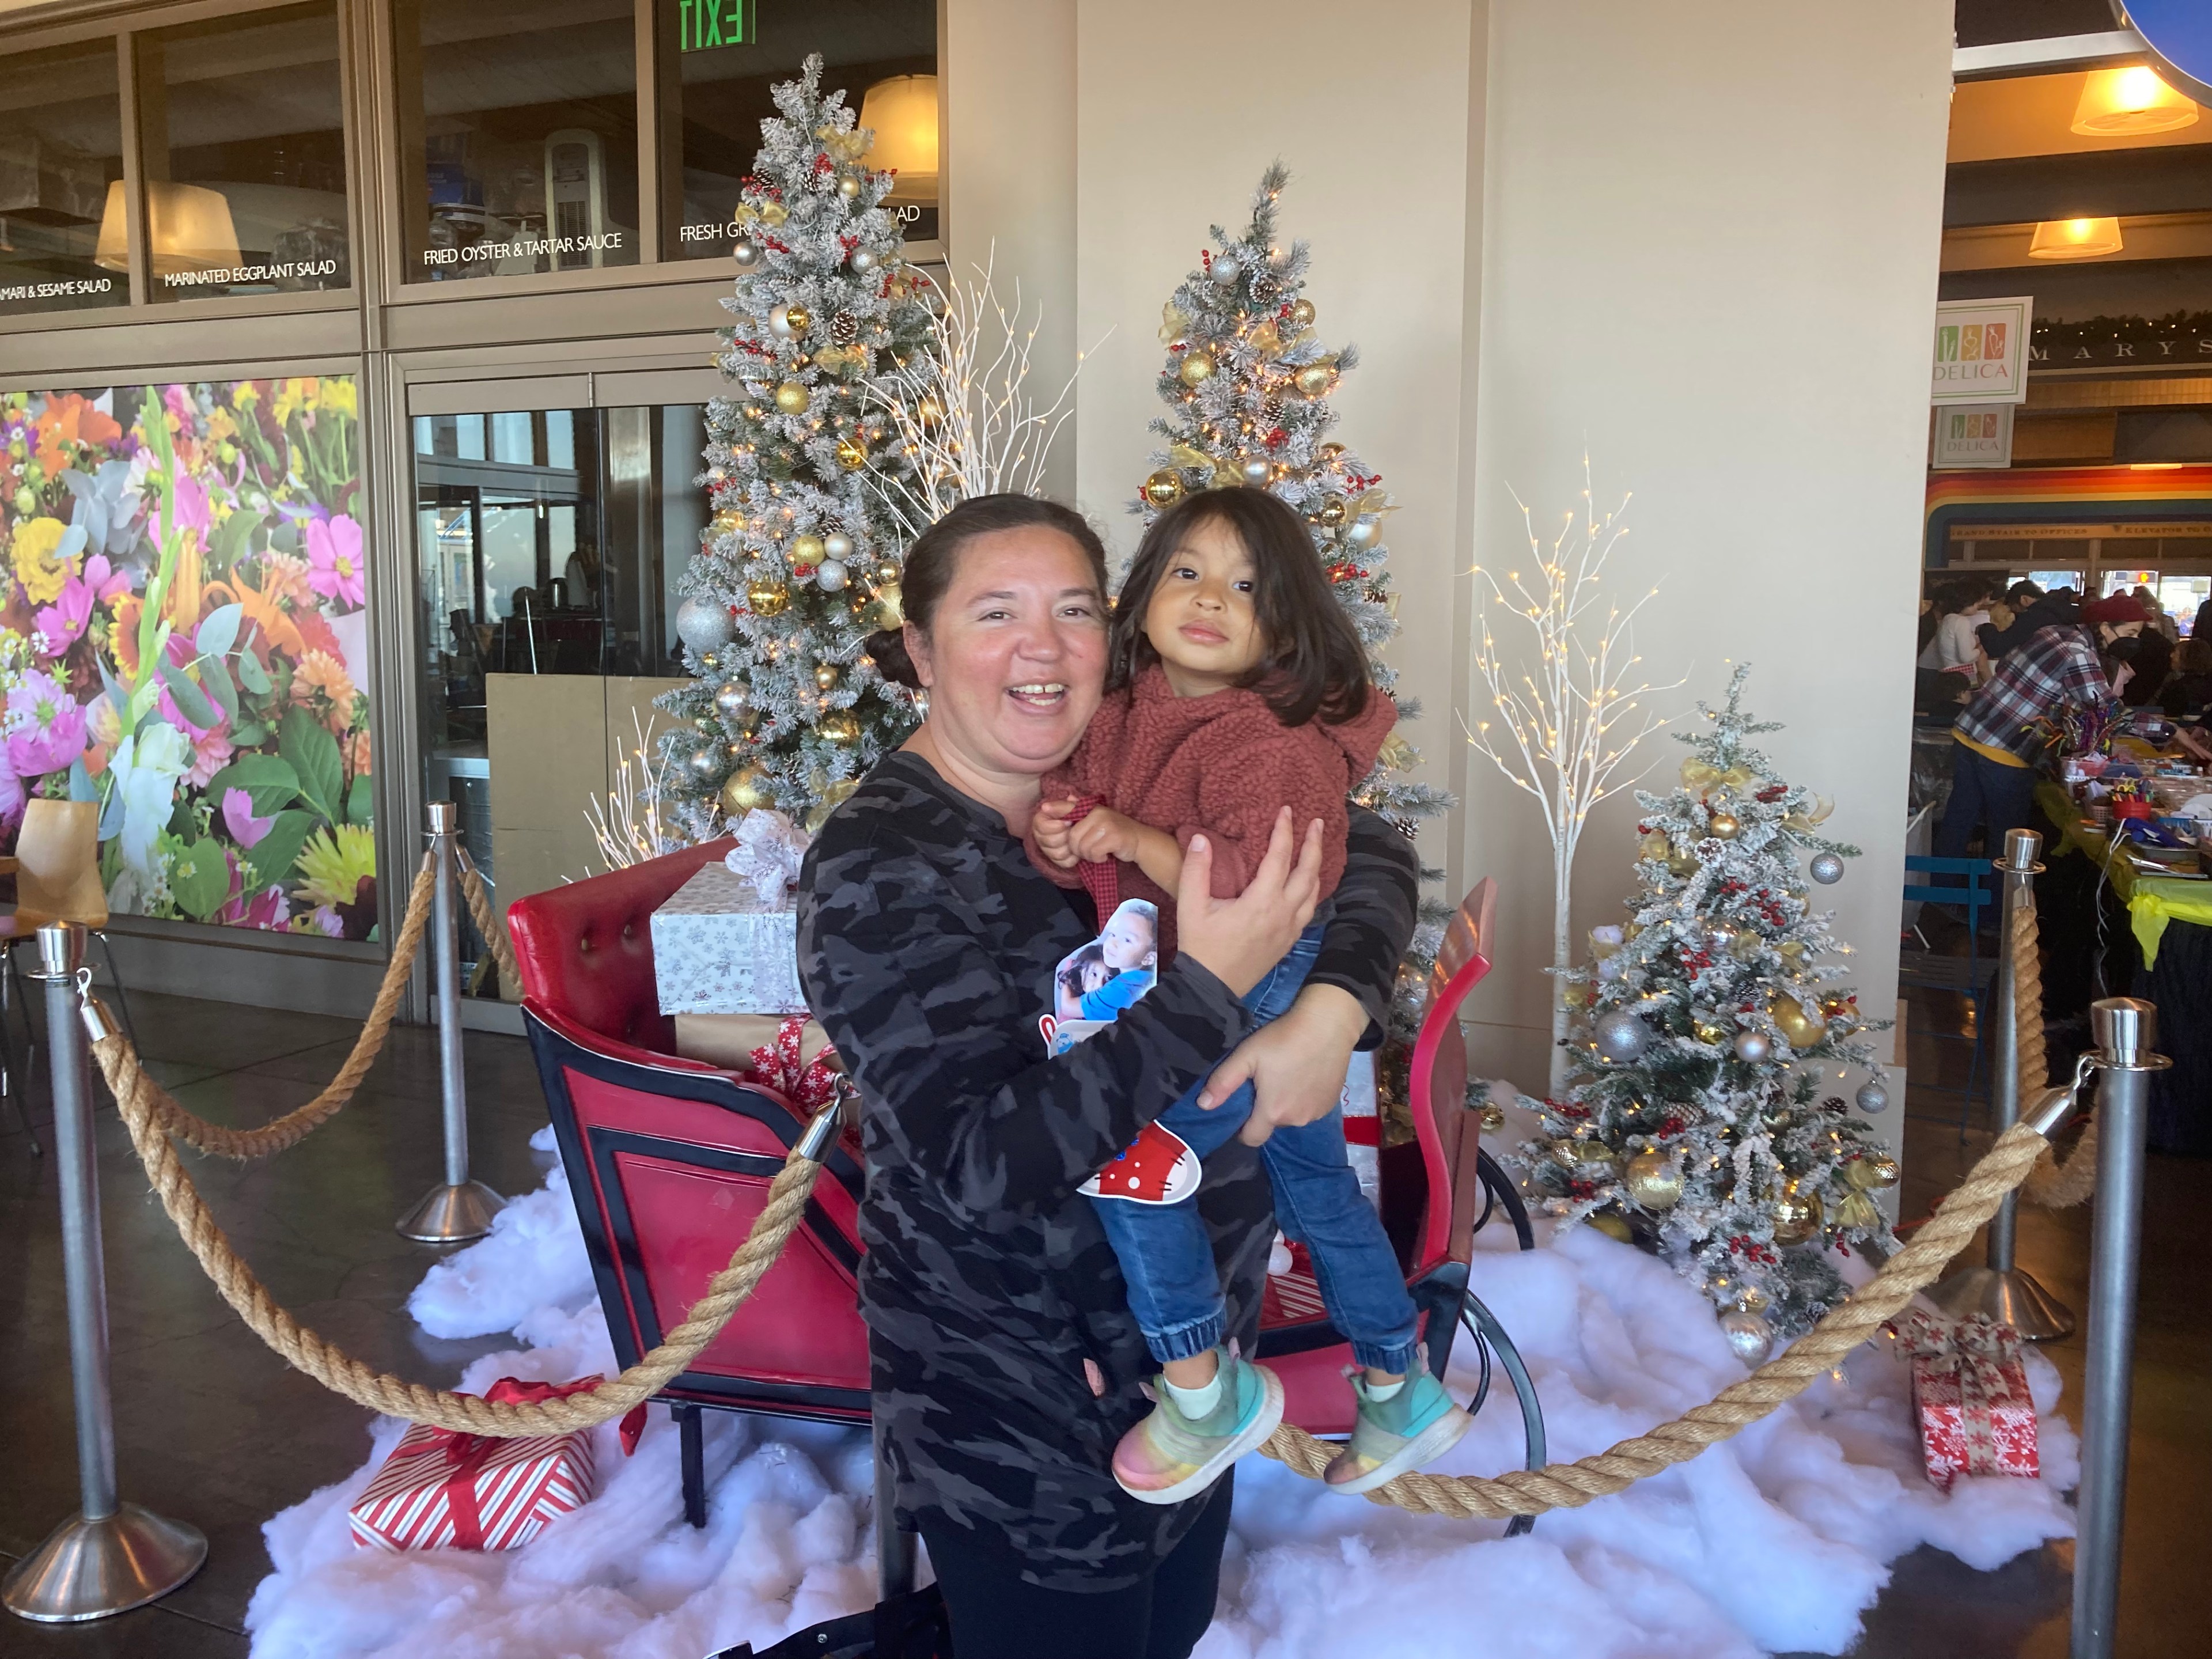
(997,1615)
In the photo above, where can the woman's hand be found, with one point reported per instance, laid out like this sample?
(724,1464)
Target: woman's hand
(1050,828)
(1237,940)
(1296,1064)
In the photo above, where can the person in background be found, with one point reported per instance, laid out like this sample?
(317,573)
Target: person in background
(2003,613)
(2159,621)
(2152,662)
(2057,608)
(1952,651)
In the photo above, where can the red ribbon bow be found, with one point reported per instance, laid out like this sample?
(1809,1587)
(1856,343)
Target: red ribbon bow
(466,1454)
(810,1087)
(1978,1351)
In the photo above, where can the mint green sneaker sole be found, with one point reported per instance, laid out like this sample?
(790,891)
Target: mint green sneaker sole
(1253,1435)
(1425,1448)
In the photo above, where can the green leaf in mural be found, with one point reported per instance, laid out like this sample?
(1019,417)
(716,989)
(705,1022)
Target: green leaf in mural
(250,674)
(219,631)
(199,880)
(313,754)
(361,801)
(191,702)
(270,780)
(231,539)
(215,680)
(273,856)
(246,733)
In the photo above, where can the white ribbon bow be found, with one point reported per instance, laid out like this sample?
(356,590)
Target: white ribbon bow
(768,854)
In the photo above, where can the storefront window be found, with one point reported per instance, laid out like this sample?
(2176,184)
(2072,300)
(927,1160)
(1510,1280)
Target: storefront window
(518,137)
(245,182)
(549,544)
(729,53)
(61,159)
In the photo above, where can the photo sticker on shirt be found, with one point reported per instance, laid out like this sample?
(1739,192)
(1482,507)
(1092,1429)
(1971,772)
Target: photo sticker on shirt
(1091,985)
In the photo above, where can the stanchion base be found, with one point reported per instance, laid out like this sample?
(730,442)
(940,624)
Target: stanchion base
(447,1215)
(2012,1299)
(90,1568)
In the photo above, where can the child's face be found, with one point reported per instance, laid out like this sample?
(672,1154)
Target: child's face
(1128,941)
(1200,618)
(1095,974)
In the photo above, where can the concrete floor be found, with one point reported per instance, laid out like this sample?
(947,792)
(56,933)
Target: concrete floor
(212,1428)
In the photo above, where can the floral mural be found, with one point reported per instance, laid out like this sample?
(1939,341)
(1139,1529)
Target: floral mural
(185,642)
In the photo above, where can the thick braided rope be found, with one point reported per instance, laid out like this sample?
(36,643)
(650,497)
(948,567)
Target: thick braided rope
(489,926)
(1563,1486)
(297,1125)
(394,1396)
(2051,1184)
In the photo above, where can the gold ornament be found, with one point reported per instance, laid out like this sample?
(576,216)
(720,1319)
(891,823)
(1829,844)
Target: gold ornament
(1653,846)
(826,676)
(791,397)
(806,550)
(1493,1117)
(1709,1032)
(1857,1213)
(852,454)
(1653,1181)
(1195,370)
(889,609)
(1871,1173)
(1683,864)
(1330,453)
(1796,1215)
(1799,1024)
(1331,511)
(838,727)
(833,796)
(848,187)
(745,790)
(1745,947)
(1723,826)
(1163,488)
(1612,1224)
(1793,949)
(766,597)
(1302,312)
(1396,754)
(1315,379)
(1751,1299)
(1573,995)
(726,522)
(887,572)
(798,318)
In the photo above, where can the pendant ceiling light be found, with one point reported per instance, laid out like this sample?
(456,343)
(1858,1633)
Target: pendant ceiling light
(188,228)
(2123,103)
(902,111)
(2075,239)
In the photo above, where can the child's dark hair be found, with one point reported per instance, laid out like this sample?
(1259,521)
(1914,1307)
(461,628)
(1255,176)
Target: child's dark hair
(1313,662)
(1071,971)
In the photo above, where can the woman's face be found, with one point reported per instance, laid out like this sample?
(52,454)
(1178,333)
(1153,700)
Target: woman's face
(1016,655)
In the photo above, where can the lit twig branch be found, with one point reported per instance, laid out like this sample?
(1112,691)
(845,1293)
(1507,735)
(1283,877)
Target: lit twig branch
(1572,720)
(962,419)
(629,825)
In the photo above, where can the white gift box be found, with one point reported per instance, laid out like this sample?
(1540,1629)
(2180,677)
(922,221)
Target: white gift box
(718,950)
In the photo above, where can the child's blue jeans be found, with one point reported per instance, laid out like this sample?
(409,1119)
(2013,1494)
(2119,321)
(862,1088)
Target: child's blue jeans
(1168,1259)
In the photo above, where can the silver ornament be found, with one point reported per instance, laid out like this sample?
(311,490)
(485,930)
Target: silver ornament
(864,260)
(747,253)
(734,699)
(1363,532)
(1750,1338)
(837,544)
(1753,1048)
(1872,1097)
(706,764)
(778,322)
(830,575)
(1257,473)
(1827,869)
(1622,1037)
(704,623)
(1226,271)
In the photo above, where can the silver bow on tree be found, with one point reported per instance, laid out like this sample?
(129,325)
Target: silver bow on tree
(768,854)
(1979,1351)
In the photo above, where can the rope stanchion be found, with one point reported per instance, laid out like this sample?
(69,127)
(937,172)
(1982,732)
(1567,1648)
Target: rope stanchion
(493,931)
(1566,1486)
(394,1396)
(2053,1184)
(297,1125)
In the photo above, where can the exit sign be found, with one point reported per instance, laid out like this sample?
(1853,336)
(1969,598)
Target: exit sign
(703,25)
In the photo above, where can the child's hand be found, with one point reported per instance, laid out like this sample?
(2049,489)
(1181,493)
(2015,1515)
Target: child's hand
(1051,827)
(1104,833)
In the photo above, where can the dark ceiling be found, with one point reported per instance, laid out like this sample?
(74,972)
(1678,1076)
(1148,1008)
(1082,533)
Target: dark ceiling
(1986,22)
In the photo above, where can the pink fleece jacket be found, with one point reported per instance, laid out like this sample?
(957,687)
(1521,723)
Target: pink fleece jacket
(1220,764)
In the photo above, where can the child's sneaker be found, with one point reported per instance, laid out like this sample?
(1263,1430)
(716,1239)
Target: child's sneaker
(1414,1426)
(1169,1457)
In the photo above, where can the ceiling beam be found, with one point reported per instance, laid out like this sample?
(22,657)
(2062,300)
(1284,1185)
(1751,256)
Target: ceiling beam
(2049,56)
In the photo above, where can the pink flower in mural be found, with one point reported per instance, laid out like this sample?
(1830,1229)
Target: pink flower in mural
(12,795)
(46,726)
(193,512)
(335,569)
(238,818)
(211,752)
(63,622)
(267,908)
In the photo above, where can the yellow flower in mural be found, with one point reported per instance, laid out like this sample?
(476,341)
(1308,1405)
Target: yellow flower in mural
(220,426)
(338,396)
(292,396)
(245,395)
(335,862)
(38,565)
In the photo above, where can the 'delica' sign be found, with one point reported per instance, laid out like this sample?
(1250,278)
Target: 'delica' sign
(2179,35)
(1981,351)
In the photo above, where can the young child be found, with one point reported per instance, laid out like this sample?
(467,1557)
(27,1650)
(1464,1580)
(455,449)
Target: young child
(1237,686)
(1106,976)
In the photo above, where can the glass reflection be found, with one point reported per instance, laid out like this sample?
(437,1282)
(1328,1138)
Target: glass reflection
(61,149)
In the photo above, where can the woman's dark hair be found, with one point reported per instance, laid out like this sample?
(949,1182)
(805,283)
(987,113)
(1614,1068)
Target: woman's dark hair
(934,558)
(1312,663)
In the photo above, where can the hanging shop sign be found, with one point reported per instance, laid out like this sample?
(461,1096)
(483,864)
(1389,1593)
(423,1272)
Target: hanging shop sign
(1981,350)
(1971,435)
(2179,35)
(2122,342)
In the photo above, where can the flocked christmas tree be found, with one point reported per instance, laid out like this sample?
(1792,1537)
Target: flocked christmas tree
(1247,383)
(1698,1123)
(800,560)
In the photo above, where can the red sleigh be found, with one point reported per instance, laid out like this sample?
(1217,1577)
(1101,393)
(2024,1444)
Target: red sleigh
(669,1161)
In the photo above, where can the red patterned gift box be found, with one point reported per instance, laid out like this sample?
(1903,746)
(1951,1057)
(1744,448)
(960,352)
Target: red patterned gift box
(444,1489)
(1969,1393)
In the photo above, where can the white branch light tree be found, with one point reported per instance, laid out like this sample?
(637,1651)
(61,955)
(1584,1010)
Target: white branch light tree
(1563,720)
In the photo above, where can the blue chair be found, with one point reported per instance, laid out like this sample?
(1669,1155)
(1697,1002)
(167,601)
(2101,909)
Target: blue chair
(1971,977)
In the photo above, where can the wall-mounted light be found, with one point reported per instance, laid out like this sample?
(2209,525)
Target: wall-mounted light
(902,111)
(2075,239)
(2123,103)
(188,228)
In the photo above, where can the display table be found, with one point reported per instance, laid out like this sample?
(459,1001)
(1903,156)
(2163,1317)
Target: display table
(2170,921)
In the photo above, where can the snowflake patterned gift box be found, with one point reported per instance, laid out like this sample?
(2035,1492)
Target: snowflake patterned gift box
(440,1489)
(1969,1393)
(717,949)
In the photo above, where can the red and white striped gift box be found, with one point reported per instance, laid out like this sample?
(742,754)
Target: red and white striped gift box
(443,1490)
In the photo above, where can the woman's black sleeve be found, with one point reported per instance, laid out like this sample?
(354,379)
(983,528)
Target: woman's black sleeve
(1371,921)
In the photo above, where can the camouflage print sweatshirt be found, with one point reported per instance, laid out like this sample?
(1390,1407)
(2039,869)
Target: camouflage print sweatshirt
(927,942)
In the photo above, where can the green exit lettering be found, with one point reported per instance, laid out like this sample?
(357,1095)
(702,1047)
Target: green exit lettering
(702,25)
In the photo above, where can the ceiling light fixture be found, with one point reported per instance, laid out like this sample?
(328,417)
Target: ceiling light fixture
(903,113)
(188,228)
(2126,103)
(2075,239)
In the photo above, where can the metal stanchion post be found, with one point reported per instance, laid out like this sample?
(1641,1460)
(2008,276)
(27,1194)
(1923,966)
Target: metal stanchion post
(2002,1289)
(458,1208)
(2125,1030)
(110,1556)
